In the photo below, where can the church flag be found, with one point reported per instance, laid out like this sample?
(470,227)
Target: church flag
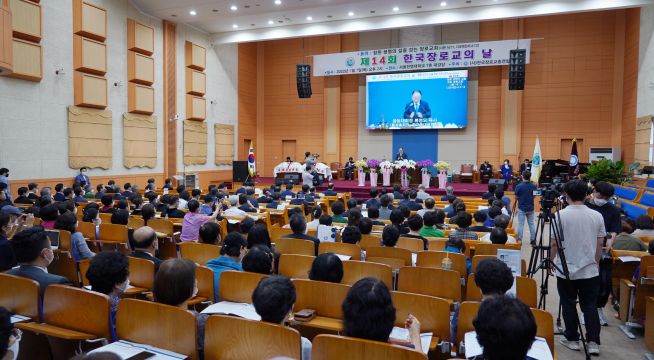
(536,163)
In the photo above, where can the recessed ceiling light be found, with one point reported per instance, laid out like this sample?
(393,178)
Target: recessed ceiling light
(233,7)
(278,2)
(270,22)
(309,18)
(350,13)
(396,9)
(235,26)
(443,3)
(193,12)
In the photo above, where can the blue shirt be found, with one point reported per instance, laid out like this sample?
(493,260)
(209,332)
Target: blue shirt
(468,261)
(220,264)
(79,179)
(4,180)
(524,192)
(206,210)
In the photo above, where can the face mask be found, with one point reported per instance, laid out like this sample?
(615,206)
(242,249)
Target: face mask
(600,202)
(49,258)
(122,287)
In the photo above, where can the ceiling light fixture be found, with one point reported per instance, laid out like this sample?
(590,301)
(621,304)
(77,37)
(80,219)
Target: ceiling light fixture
(235,26)
(350,13)
(396,9)
(309,18)
(193,12)
(234,7)
(443,3)
(278,2)
(270,22)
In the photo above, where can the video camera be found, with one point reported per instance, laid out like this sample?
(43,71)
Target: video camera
(549,195)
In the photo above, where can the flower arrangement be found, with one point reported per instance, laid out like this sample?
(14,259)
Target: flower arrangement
(404,164)
(361,164)
(442,165)
(425,163)
(386,164)
(373,164)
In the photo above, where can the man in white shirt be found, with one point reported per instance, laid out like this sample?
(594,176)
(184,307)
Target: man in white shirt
(583,233)
(422,194)
(233,209)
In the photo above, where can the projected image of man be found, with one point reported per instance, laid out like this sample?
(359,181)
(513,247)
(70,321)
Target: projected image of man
(417,108)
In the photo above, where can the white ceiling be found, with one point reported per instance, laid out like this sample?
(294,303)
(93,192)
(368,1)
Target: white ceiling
(290,18)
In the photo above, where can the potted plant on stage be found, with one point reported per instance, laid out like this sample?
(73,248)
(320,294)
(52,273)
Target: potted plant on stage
(404,166)
(362,166)
(386,170)
(425,170)
(373,165)
(442,167)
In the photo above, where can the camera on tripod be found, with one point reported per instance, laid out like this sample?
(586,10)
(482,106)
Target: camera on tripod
(549,195)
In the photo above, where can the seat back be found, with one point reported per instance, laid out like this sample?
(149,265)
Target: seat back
(113,232)
(20,295)
(354,271)
(229,337)
(105,217)
(204,276)
(483,248)
(526,290)
(295,266)
(141,272)
(135,222)
(328,347)
(434,259)
(368,241)
(389,252)
(87,229)
(83,268)
(238,286)
(411,244)
(295,246)
(198,253)
(164,326)
(441,283)
(277,232)
(323,297)
(544,326)
(163,226)
(77,309)
(429,310)
(467,313)
(351,250)
(436,244)
(393,263)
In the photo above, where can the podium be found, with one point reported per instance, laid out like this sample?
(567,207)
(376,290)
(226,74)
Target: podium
(415,176)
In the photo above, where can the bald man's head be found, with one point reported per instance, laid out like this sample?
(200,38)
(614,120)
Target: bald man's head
(144,238)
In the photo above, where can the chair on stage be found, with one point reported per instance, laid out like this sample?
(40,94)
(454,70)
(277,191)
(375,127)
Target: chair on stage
(337,170)
(467,173)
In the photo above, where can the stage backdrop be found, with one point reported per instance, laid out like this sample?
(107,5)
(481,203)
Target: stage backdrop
(418,144)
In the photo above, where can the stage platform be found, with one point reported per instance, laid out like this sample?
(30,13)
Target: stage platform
(363,192)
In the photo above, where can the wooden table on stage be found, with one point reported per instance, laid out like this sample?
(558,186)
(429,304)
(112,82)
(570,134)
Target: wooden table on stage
(415,174)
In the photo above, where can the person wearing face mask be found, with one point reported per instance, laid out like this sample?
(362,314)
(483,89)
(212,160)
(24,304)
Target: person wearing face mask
(108,274)
(4,179)
(34,254)
(599,201)
(82,180)
(7,260)
(9,337)
(146,245)
(507,171)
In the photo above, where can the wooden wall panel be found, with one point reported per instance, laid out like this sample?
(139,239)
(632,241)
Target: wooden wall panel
(90,55)
(90,90)
(28,60)
(247,97)
(26,20)
(140,37)
(195,107)
(139,141)
(196,56)
(170,97)
(89,20)
(630,85)
(6,45)
(224,140)
(196,82)
(140,99)
(195,142)
(349,104)
(140,68)
(89,138)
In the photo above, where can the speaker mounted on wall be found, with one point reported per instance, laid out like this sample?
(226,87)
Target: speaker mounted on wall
(303,78)
(517,58)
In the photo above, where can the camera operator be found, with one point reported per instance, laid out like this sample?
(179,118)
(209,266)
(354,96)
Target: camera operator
(524,194)
(583,233)
(599,201)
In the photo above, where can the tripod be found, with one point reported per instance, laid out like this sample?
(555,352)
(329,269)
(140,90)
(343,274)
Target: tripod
(540,258)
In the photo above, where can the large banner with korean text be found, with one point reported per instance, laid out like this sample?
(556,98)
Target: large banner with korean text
(416,58)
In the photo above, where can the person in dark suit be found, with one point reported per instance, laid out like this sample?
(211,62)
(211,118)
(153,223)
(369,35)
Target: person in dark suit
(349,169)
(401,155)
(22,197)
(34,254)
(299,226)
(245,205)
(145,245)
(416,108)
(330,190)
(33,189)
(507,172)
(59,195)
(525,166)
(275,201)
(413,205)
(250,195)
(486,169)
(288,191)
(83,180)
(374,199)
(99,191)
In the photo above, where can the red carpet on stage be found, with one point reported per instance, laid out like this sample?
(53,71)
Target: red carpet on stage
(363,192)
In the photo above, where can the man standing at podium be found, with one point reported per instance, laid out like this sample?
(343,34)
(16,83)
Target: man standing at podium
(401,155)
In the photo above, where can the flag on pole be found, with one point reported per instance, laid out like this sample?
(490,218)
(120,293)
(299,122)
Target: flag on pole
(573,166)
(536,163)
(252,167)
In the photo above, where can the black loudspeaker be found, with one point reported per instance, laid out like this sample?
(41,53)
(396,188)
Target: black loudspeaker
(303,78)
(517,58)
(499,183)
(239,171)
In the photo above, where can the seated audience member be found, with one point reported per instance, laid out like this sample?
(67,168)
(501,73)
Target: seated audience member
(626,241)
(32,250)
(7,260)
(505,328)
(365,226)
(354,217)
(368,313)
(457,246)
(422,195)
(385,207)
(440,220)
(173,210)
(351,235)
(152,198)
(506,201)
(498,236)
(147,213)
(120,217)
(405,198)
(245,226)
(137,201)
(449,192)
(233,209)
(288,193)
(168,184)
(299,226)
(193,220)
(326,267)
(450,210)
(146,245)
(463,222)
(184,196)
(415,225)
(644,226)
(480,218)
(501,221)
(66,206)
(265,197)
(397,218)
(5,197)
(107,204)
(325,220)
(49,215)
(373,215)
(162,205)
(459,207)
(429,206)
(397,192)
(316,213)
(352,204)
(80,249)
(413,204)
(244,204)
(490,193)
(429,228)
(338,209)
(374,198)
(79,195)
(108,273)
(231,254)
(259,259)
(195,194)
(59,195)
(275,201)
(9,336)
(68,194)
(22,197)
(208,207)
(390,235)
(151,186)
(92,215)
(209,233)
(258,235)
(492,213)
(249,192)
(330,190)
(273,300)
(99,191)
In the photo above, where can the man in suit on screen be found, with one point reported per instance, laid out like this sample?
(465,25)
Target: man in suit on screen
(416,108)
